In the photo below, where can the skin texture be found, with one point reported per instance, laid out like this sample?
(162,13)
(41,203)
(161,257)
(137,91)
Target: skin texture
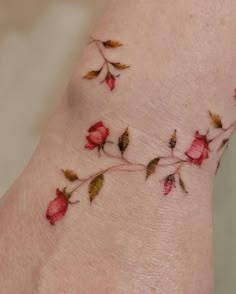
(132,240)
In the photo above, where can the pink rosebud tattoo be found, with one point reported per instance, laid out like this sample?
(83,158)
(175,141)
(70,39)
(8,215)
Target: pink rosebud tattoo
(57,208)
(110,81)
(168,184)
(198,150)
(97,137)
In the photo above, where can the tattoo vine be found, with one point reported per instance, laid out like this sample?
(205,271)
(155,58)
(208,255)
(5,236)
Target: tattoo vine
(98,139)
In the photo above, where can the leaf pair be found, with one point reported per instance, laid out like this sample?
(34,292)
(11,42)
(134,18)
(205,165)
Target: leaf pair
(95,73)
(151,169)
(94,187)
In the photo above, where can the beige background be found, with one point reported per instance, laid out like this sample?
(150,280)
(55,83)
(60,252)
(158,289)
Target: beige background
(40,42)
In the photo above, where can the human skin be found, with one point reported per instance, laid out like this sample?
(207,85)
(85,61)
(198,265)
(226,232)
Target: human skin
(132,239)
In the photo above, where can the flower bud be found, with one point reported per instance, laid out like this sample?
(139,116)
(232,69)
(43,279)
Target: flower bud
(168,184)
(110,80)
(57,208)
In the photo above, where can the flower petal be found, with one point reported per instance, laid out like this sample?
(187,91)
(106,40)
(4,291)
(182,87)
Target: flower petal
(90,146)
(104,132)
(195,149)
(95,138)
(95,126)
(198,150)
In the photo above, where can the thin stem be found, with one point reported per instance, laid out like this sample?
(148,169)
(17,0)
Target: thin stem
(73,202)
(83,181)
(102,54)
(143,165)
(130,170)
(172,164)
(110,155)
(223,131)
(135,167)
(172,156)
(121,167)
(116,157)
(95,40)
(178,168)
(115,168)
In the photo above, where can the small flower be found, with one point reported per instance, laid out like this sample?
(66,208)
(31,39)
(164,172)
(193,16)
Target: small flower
(57,208)
(235,94)
(168,184)
(198,150)
(97,137)
(110,81)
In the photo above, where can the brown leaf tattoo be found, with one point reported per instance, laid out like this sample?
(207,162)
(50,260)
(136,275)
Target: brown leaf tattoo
(95,186)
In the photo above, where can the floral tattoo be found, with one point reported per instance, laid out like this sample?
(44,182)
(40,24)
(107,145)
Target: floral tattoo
(98,139)
(107,66)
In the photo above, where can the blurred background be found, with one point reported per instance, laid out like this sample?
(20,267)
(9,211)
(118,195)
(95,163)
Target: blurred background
(40,44)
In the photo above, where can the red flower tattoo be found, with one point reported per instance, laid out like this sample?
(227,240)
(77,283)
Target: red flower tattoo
(57,208)
(97,137)
(199,149)
(108,67)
